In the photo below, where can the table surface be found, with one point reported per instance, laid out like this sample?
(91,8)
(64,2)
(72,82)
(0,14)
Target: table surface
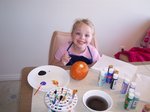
(27,90)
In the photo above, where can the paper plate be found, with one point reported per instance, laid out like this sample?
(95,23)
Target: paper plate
(46,74)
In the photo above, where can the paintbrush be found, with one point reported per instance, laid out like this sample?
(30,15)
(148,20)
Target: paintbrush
(74,92)
(41,84)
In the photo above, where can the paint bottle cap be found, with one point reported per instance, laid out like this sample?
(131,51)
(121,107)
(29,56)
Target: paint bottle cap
(111,70)
(131,90)
(131,96)
(116,71)
(115,76)
(110,66)
(126,80)
(133,84)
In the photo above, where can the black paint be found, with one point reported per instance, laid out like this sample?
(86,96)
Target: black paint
(41,73)
(97,103)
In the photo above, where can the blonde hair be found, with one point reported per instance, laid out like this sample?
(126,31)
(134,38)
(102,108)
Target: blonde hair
(85,21)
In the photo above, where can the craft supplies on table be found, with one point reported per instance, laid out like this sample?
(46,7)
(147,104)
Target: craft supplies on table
(61,99)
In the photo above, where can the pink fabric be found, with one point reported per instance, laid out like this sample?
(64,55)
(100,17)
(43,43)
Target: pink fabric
(136,54)
(63,49)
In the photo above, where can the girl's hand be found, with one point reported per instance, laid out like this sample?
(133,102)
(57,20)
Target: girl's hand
(65,58)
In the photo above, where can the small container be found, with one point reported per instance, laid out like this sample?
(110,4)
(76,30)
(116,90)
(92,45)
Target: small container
(109,75)
(116,71)
(128,101)
(102,78)
(132,85)
(114,81)
(146,108)
(130,91)
(125,85)
(135,100)
(110,66)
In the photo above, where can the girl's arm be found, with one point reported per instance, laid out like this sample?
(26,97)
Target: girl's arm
(63,61)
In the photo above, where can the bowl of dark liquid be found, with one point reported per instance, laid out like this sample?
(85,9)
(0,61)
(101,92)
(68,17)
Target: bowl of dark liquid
(97,101)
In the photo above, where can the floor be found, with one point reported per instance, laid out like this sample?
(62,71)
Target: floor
(9,96)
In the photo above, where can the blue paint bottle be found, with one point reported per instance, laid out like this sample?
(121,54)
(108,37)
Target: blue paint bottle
(109,75)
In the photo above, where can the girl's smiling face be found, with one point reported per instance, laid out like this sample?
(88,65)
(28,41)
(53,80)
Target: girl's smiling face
(82,36)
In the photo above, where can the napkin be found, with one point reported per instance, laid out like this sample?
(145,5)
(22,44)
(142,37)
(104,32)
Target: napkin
(126,70)
(143,87)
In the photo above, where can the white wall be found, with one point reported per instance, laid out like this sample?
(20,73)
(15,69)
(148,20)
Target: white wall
(26,27)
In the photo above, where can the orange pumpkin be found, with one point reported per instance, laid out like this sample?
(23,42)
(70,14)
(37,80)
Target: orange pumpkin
(79,70)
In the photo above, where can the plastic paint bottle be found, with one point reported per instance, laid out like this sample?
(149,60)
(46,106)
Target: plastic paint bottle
(125,85)
(114,81)
(132,85)
(109,75)
(102,78)
(135,100)
(130,91)
(128,101)
(146,108)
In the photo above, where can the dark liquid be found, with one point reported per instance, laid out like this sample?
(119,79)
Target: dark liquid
(97,103)
(41,73)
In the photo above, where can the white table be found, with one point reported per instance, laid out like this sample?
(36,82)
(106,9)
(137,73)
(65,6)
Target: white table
(88,83)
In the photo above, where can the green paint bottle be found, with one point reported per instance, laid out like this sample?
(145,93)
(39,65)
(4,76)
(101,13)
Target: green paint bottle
(128,101)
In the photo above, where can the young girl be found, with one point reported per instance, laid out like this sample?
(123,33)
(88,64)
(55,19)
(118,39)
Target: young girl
(80,48)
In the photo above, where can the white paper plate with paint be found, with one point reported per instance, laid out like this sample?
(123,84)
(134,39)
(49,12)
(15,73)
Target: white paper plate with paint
(45,75)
